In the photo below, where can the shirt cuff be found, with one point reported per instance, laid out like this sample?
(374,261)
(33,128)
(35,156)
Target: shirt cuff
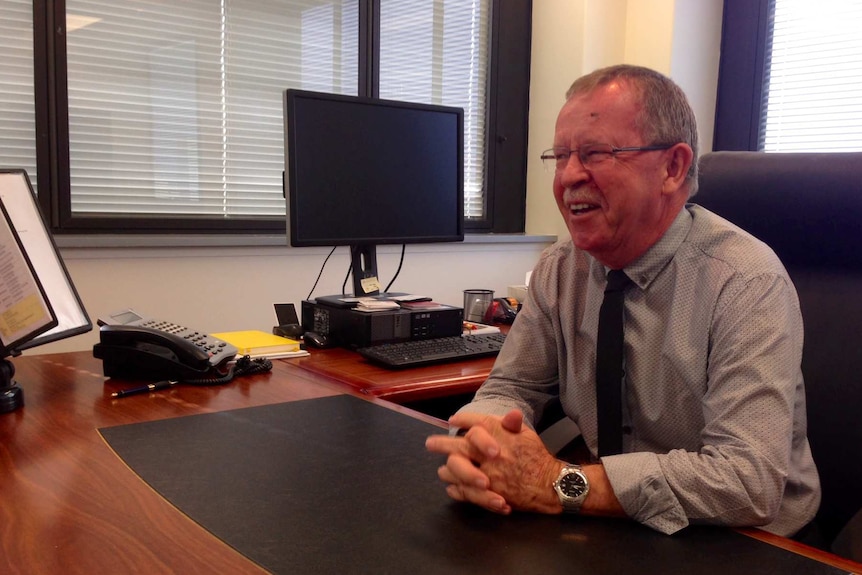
(643,491)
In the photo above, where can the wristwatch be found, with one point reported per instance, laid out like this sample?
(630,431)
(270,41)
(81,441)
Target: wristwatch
(572,487)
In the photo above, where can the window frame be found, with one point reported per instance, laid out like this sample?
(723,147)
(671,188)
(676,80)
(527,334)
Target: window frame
(506,146)
(740,96)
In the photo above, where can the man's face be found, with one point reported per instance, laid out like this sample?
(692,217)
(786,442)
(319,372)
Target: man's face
(613,209)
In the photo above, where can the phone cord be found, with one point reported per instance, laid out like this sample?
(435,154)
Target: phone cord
(243,366)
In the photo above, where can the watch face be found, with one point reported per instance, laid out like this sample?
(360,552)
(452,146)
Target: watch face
(573,484)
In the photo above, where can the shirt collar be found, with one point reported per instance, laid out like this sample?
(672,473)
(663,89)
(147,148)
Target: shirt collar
(646,268)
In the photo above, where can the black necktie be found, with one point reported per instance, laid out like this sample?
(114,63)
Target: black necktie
(609,365)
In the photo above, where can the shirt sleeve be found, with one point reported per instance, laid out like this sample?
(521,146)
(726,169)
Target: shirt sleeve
(737,477)
(526,373)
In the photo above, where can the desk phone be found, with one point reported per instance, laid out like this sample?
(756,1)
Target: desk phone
(135,347)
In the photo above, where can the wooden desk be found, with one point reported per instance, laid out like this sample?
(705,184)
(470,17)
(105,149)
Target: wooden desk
(70,505)
(399,386)
(402,386)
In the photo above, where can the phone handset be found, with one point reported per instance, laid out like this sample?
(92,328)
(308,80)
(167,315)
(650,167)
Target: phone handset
(159,350)
(156,341)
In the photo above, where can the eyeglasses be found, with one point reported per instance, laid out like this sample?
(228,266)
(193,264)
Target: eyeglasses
(591,155)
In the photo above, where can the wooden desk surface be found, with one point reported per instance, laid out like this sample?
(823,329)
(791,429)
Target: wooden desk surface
(400,386)
(70,505)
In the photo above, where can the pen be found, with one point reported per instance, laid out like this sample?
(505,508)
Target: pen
(143,389)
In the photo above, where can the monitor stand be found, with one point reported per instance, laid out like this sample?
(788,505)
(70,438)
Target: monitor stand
(363,268)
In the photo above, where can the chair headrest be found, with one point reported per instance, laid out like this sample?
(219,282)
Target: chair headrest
(805,206)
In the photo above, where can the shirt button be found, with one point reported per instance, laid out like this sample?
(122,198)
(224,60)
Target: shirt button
(627,429)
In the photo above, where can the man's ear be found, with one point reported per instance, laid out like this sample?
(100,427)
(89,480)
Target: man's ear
(679,159)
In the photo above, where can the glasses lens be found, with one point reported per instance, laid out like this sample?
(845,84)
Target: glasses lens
(554,158)
(592,154)
(561,156)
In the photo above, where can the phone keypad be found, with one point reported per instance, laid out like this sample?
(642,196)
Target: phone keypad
(217,349)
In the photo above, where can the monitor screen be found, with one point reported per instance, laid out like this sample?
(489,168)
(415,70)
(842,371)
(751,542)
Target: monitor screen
(364,171)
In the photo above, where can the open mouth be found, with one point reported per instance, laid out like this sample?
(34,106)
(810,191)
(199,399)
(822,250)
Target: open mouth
(582,208)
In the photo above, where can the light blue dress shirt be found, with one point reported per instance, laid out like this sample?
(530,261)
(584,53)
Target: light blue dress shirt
(714,402)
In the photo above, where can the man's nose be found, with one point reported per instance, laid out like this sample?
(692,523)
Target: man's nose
(572,172)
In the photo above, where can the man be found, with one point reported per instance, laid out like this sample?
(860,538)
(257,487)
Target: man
(713,405)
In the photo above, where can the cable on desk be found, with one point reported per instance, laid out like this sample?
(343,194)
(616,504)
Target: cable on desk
(243,366)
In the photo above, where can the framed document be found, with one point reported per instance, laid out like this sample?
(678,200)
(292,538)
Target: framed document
(38,301)
(23,220)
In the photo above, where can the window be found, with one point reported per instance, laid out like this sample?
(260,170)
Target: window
(437,53)
(18,118)
(176,108)
(791,68)
(171,120)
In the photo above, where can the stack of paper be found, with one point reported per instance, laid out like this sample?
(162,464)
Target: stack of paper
(409,297)
(256,343)
(373,304)
(421,305)
(473,328)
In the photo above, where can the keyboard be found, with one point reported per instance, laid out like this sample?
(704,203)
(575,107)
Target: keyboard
(437,350)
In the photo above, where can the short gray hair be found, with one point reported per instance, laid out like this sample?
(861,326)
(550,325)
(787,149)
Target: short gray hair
(667,117)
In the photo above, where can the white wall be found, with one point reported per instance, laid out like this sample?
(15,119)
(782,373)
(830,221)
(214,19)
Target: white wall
(694,61)
(680,38)
(223,289)
(234,288)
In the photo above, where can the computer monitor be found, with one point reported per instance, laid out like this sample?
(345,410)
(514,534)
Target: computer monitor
(364,171)
(38,302)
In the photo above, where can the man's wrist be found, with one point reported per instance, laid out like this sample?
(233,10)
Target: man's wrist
(556,505)
(602,500)
(545,496)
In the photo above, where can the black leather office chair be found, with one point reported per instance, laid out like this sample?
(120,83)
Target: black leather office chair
(808,208)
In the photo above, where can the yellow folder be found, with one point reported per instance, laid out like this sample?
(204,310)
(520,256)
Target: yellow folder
(255,342)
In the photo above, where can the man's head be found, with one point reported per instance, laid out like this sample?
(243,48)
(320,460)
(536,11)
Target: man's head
(637,134)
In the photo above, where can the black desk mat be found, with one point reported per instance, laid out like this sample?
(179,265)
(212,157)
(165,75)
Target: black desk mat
(340,485)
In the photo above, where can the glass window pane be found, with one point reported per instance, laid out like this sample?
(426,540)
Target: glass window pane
(17,112)
(436,52)
(176,108)
(814,88)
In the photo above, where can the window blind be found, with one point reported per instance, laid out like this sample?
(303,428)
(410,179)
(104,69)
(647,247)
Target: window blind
(436,52)
(177,107)
(814,89)
(17,110)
